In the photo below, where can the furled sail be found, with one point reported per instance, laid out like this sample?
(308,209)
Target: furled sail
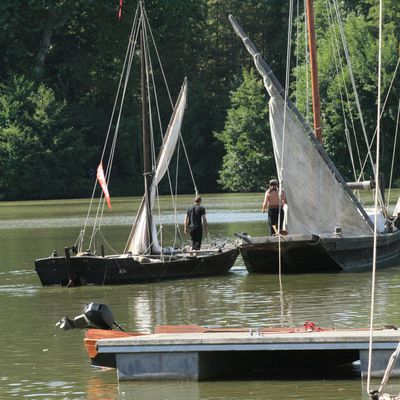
(318,199)
(138,242)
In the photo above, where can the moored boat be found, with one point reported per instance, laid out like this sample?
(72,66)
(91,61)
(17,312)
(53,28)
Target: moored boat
(146,256)
(329,229)
(91,269)
(318,253)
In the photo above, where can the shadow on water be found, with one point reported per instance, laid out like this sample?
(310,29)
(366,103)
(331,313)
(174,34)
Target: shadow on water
(285,366)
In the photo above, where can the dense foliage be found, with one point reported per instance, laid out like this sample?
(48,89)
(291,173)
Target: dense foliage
(60,69)
(42,155)
(249,155)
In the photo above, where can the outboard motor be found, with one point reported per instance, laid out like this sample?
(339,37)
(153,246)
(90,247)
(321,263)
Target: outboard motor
(95,315)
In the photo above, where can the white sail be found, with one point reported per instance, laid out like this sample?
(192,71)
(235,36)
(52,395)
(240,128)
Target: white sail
(138,242)
(318,199)
(317,202)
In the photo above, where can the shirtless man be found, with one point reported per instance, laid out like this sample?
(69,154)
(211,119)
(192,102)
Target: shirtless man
(272,204)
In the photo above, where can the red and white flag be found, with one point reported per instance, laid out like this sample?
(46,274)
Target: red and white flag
(120,10)
(102,180)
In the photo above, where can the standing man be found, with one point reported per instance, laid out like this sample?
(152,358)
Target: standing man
(194,220)
(274,205)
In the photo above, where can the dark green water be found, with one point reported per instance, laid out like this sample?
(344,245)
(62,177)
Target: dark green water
(39,361)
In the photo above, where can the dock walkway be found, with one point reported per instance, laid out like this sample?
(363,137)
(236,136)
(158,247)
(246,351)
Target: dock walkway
(201,356)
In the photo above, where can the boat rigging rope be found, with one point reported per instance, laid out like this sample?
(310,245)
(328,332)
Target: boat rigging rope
(280,172)
(369,143)
(82,234)
(106,242)
(386,100)
(172,104)
(392,362)
(371,327)
(174,195)
(374,136)
(348,102)
(162,134)
(149,73)
(297,49)
(127,61)
(384,104)
(346,52)
(101,204)
(394,153)
(340,72)
(140,21)
(307,62)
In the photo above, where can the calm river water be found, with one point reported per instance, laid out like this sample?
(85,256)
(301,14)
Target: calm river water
(39,361)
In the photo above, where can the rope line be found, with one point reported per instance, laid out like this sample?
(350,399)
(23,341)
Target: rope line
(371,327)
(297,48)
(384,104)
(369,144)
(340,72)
(280,174)
(393,155)
(170,99)
(125,74)
(141,22)
(346,52)
(307,65)
(331,17)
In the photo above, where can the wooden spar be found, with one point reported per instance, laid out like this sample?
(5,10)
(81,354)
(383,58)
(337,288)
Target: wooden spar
(314,70)
(146,134)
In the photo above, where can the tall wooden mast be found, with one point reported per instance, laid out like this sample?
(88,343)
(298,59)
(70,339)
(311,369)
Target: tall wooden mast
(147,165)
(314,70)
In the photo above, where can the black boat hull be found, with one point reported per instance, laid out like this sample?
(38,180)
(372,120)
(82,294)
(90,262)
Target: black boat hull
(117,270)
(312,253)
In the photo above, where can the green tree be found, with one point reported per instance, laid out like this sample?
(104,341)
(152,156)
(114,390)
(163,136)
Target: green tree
(248,160)
(223,59)
(40,154)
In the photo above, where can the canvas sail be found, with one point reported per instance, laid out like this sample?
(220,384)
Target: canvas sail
(318,200)
(138,242)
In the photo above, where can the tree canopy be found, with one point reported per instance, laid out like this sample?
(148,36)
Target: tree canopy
(60,69)
(248,161)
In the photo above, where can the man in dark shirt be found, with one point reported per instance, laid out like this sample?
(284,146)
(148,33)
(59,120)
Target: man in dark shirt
(194,220)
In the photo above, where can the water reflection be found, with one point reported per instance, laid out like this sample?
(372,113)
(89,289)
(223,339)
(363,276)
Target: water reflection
(339,301)
(239,390)
(214,217)
(40,361)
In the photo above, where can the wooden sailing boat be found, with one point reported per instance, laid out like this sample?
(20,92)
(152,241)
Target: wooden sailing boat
(144,258)
(329,229)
